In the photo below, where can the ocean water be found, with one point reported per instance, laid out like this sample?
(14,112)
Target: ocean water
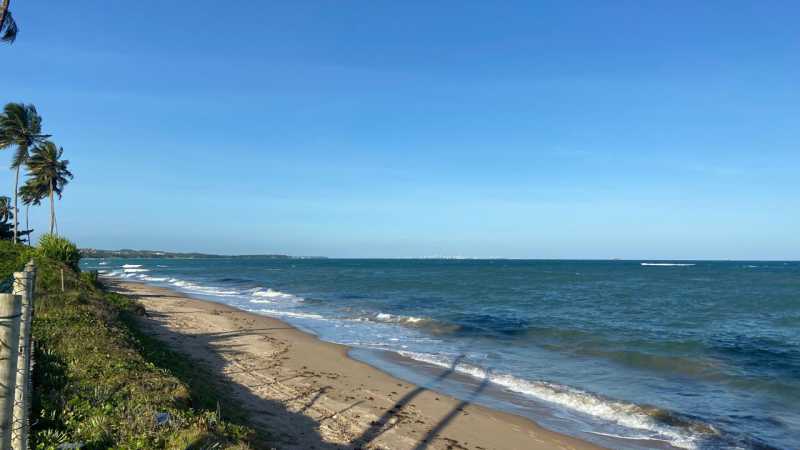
(627,354)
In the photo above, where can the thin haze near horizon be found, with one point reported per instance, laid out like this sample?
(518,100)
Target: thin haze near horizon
(580,129)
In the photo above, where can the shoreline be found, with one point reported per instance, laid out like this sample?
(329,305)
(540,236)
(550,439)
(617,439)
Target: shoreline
(331,400)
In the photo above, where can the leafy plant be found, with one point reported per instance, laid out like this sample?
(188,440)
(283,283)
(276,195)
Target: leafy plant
(59,249)
(91,278)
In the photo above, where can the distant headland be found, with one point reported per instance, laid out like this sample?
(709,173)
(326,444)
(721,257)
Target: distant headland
(130,253)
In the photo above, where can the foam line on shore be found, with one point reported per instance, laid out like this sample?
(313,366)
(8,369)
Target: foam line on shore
(625,414)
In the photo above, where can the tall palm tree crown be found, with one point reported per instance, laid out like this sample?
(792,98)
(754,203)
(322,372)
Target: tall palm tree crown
(20,127)
(8,28)
(46,168)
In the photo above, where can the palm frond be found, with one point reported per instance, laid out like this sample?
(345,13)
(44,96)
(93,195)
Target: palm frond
(20,126)
(46,167)
(8,29)
(33,192)
(20,156)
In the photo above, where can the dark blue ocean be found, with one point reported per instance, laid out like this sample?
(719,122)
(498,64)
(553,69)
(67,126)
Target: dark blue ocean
(628,354)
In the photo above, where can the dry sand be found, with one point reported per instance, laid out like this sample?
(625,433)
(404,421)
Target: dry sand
(310,395)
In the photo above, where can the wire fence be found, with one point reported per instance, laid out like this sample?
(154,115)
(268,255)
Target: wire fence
(16,362)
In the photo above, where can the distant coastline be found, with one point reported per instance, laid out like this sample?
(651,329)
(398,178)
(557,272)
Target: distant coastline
(144,254)
(130,253)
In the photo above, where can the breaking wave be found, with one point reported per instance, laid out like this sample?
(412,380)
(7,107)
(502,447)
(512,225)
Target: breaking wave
(657,424)
(262,295)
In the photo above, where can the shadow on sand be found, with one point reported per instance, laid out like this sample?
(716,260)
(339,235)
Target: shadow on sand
(294,430)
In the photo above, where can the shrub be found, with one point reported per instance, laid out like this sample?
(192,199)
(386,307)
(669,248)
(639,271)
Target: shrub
(12,259)
(60,249)
(91,278)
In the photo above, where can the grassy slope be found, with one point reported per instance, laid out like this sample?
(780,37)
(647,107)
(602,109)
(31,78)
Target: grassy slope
(98,381)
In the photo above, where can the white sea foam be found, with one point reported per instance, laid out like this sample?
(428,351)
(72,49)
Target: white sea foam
(625,414)
(102,263)
(668,264)
(131,266)
(155,279)
(134,270)
(261,295)
(392,318)
(195,288)
(297,315)
(210,290)
(200,289)
(268,293)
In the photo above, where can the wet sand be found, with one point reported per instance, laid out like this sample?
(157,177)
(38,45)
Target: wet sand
(309,394)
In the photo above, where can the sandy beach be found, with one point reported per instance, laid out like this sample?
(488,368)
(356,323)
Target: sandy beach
(310,395)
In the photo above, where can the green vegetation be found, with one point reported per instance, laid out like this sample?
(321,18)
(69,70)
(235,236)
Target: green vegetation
(12,259)
(31,193)
(100,382)
(59,249)
(8,28)
(20,127)
(7,220)
(48,172)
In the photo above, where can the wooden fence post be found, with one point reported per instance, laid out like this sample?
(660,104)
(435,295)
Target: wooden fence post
(23,286)
(10,308)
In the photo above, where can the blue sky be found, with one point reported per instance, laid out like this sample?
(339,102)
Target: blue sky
(564,129)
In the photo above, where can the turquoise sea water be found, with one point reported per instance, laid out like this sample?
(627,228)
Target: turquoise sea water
(629,354)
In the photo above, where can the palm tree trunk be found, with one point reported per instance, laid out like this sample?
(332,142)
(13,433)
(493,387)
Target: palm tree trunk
(52,209)
(16,211)
(27,227)
(4,10)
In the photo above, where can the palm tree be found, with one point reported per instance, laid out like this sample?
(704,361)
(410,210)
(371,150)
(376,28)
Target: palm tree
(5,216)
(31,193)
(20,126)
(8,28)
(46,168)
